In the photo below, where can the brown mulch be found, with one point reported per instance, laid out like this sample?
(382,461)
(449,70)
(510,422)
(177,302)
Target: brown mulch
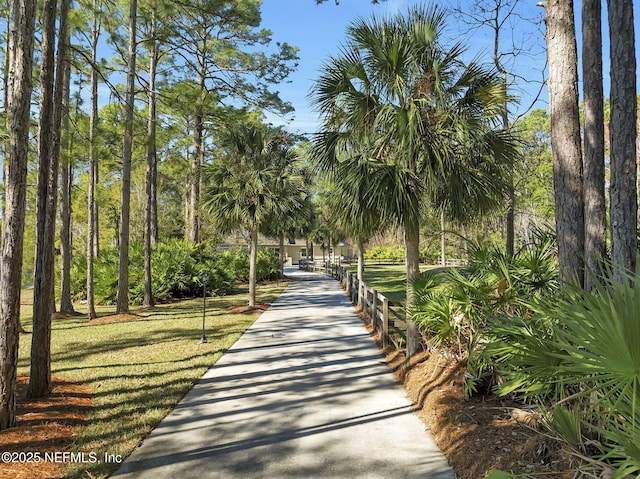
(116,318)
(478,435)
(44,425)
(245,309)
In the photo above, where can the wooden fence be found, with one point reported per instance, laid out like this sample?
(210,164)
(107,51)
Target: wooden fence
(378,310)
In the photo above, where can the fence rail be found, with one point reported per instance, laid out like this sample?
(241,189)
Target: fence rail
(377,309)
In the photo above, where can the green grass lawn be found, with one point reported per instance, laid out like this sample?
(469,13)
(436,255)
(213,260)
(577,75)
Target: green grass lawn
(389,279)
(138,370)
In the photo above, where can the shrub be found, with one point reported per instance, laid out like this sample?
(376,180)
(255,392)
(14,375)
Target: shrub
(394,253)
(237,263)
(584,371)
(177,269)
(469,302)
(267,266)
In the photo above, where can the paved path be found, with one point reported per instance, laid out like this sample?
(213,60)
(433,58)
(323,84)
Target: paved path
(304,393)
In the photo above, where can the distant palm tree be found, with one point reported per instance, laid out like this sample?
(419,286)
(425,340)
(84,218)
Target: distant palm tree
(414,111)
(255,182)
(347,200)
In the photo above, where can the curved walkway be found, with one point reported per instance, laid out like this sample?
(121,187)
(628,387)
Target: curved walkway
(304,393)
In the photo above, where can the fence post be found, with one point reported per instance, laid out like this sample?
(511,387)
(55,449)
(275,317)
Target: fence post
(374,309)
(351,285)
(385,323)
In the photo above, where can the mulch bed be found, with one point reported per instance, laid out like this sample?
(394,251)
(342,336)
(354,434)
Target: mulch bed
(45,425)
(245,309)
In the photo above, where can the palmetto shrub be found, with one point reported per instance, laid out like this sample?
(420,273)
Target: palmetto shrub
(460,307)
(267,266)
(583,371)
(177,268)
(237,263)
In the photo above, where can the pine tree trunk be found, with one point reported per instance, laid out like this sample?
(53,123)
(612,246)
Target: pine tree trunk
(66,239)
(66,177)
(194,194)
(43,304)
(21,28)
(92,207)
(5,101)
(594,169)
(122,305)
(187,194)
(196,165)
(623,193)
(150,231)
(565,137)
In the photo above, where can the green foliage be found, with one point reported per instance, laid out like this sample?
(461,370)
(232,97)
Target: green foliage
(237,263)
(581,358)
(177,269)
(501,475)
(466,307)
(267,265)
(393,253)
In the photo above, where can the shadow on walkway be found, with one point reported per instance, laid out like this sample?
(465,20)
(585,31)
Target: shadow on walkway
(304,393)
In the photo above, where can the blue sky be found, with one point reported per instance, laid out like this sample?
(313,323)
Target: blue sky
(318,30)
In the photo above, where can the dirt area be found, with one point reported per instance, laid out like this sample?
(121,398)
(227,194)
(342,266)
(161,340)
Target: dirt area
(48,426)
(245,309)
(478,435)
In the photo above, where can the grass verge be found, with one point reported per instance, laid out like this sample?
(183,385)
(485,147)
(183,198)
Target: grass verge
(389,279)
(139,369)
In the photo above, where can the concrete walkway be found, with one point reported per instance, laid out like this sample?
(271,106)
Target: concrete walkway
(304,393)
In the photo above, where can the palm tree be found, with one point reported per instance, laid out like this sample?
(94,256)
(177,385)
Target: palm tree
(347,202)
(253,184)
(397,97)
(296,224)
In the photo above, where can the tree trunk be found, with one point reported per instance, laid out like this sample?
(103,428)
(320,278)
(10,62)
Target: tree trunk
(5,101)
(66,177)
(511,195)
(412,246)
(21,36)
(187,193)
(43,304)
(594,170)
(443,251)
(253,259)
(465,243)
(623,193)
(150,232)
(281,255)
(194,191)
(122,305)
(92,207)
(196,162)
(565,137)
(360,259)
